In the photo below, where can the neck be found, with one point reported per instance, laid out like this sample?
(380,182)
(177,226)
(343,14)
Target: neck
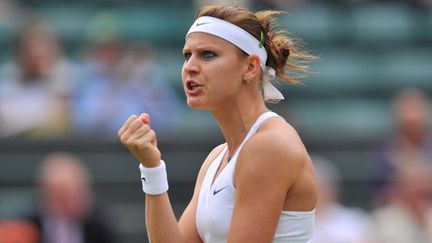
(235,122)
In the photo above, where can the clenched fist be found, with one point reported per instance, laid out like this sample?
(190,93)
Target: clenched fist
(137,135)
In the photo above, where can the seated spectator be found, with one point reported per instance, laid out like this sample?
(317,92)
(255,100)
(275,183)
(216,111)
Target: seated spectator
(410,144)
(336,223)
(66,213)
(35,87)
(407,215)
(120,80)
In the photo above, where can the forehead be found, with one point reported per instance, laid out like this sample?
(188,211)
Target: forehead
(199,39)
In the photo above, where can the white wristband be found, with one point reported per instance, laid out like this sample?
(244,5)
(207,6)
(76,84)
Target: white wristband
(154,180)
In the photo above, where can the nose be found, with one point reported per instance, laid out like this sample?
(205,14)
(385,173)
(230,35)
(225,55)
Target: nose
(191,65)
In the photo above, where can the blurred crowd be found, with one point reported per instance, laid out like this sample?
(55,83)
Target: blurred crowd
(45,94)
(401,184)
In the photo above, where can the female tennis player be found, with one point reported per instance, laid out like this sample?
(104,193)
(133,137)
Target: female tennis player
(260,185)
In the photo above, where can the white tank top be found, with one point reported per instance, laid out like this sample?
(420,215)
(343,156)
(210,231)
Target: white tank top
(216,203)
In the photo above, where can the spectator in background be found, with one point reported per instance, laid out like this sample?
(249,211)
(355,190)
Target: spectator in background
(121,79)
(335,223)
(66,213)
(36,86)
(407,217)
(411,144)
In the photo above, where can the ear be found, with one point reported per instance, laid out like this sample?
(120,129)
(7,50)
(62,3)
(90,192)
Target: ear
(252,68)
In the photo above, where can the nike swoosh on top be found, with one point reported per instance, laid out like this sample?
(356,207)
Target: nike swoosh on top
(217,191)
(198,24)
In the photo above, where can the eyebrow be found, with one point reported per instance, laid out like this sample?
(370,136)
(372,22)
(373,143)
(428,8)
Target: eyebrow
(203,47)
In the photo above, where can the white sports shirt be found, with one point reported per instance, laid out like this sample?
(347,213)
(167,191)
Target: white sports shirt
(216,203)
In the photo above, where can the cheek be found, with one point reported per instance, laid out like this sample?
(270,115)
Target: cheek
(228,69)
(229,78)
(224,87)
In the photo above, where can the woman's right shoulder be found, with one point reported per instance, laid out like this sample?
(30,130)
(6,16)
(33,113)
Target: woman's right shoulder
(212,156)
(206,164)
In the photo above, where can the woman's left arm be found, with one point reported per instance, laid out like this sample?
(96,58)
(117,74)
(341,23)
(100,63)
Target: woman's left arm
(267,168)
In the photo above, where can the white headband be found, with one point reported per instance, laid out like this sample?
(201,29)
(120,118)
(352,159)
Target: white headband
(243,40)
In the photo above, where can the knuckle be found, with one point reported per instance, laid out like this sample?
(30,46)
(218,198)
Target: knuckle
(120,133)
(148,129)
(142,131)
(123,138)
(152,134)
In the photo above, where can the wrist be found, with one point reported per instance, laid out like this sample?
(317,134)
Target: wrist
(154,179)
(152,164)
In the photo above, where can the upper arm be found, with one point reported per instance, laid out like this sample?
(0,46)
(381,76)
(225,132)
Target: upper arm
(266,170)
(187,222)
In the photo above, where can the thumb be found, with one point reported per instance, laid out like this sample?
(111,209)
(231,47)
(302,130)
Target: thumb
(145,117)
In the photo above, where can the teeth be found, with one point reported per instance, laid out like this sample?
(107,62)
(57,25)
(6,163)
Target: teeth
(192,85)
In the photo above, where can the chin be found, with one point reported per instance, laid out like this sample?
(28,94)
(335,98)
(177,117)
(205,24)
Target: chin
(195,104)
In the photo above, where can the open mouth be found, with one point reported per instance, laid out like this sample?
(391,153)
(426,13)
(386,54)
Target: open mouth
(191,85)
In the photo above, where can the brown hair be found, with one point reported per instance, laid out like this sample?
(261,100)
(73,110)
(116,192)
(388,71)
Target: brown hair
(283,51)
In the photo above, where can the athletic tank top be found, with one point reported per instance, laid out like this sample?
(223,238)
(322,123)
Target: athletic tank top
(216,203)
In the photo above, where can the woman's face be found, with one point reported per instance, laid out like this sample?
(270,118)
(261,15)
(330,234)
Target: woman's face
(212,72)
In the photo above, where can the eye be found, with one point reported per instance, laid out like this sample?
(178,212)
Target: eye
(187,55)
(208,54)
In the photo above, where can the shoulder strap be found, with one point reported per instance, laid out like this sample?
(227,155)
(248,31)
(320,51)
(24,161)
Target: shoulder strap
(261,119)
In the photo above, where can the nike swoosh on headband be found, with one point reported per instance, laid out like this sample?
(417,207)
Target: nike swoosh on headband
(198,24)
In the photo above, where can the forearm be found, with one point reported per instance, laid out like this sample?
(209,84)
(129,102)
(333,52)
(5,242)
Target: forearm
(162,226)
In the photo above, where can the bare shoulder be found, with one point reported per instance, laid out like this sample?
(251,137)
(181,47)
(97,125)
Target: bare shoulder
(277,158)
(207,162)
(278,140)
(275,149)
(212,156)
(216,151)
